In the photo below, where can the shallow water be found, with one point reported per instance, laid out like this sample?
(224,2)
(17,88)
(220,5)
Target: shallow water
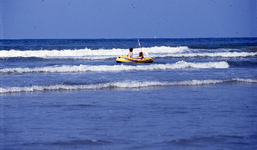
(221,116)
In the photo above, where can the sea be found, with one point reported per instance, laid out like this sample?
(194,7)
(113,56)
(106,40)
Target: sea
(199,93)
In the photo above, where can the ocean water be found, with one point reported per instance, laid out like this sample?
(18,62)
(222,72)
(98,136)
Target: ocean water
(71,94)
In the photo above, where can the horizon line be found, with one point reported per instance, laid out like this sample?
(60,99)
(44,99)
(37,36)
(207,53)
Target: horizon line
(124,38)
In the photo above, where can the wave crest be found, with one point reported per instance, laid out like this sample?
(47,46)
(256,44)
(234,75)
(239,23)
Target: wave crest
(115,68)
(118,85)
(89,54)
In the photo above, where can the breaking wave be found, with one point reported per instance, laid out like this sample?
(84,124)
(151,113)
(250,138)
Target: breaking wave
(118,85)
(223,54)
(115,68)
(89,54)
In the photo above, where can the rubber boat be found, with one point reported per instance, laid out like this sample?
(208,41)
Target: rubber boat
(123,59)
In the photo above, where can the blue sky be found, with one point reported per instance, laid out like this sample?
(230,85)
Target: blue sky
(93,19)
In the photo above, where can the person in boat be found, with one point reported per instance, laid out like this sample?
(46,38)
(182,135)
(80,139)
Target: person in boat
(130,54)
(141,55)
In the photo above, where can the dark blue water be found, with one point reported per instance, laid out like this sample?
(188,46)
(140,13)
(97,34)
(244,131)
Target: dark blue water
(71,94)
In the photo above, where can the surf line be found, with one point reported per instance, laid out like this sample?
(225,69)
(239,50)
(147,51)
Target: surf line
(120,85)
(116,68)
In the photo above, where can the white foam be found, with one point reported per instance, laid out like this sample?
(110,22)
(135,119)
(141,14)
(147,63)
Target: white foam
(223,54)
(86,53)
(52,54)
(166,49)
(118,85)
(245,80)
(115,68)
(83,53)
(162,51)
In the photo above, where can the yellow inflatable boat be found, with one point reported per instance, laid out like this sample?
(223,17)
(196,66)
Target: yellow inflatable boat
(122,59)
